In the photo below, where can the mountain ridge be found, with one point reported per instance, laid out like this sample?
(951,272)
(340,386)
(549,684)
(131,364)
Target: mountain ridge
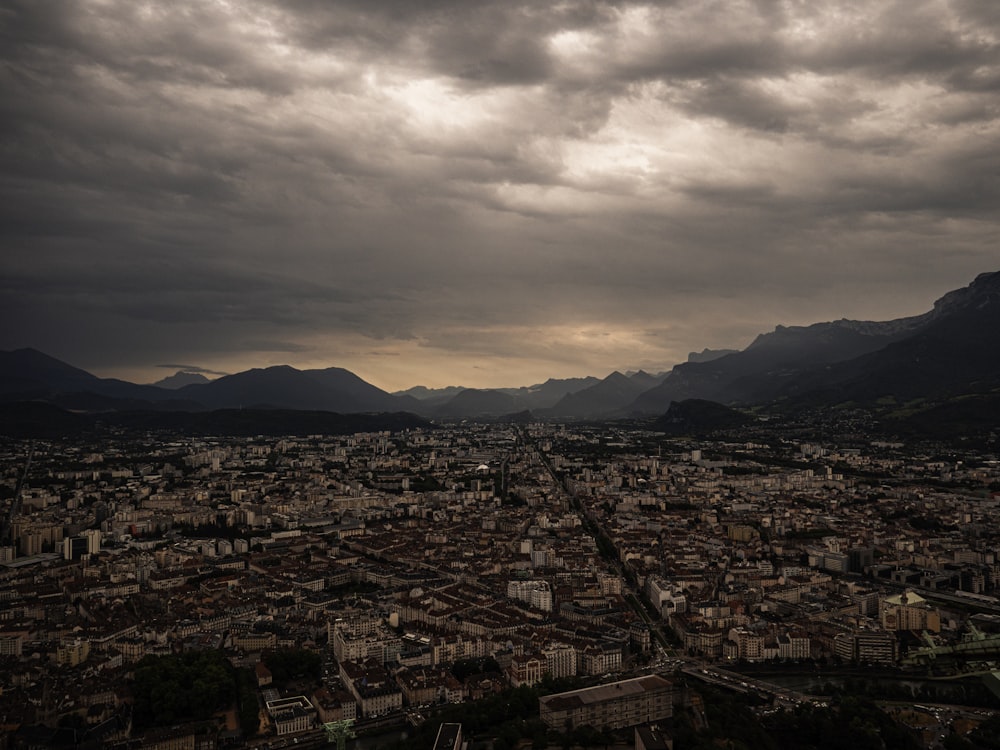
(852,360)
(605,398)
(948,351)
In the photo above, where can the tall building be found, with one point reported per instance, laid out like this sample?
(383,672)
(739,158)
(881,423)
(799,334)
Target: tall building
(794,646)
(93,537)
(909,611)
(72,651)
(860,558)
(75,547)
(560,660)
(866,646)
(35,537)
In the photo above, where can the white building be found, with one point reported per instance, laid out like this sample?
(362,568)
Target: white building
(560,660)
(292,715)
(794,646)
(536,593)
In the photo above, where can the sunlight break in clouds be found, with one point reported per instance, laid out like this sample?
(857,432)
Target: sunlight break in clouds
(427,190)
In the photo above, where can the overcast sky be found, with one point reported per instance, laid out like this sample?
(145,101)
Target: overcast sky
(483,193)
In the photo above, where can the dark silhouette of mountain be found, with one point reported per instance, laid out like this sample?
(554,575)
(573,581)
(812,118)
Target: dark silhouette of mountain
(956,351)
(423,393)
(696,417)
(474,403)
(645,380)
(30,374)
(351,386)
(607,397)
(276,387)
(180,379)
(538,396)
(913,372)
(905,368)
(283,387)
(29,371)
(546,395)
(707,355)
(764,369)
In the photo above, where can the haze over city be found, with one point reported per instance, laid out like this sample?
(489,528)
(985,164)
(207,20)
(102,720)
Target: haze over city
(483,194)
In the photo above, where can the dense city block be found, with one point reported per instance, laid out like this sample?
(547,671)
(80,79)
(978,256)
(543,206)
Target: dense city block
(216,591)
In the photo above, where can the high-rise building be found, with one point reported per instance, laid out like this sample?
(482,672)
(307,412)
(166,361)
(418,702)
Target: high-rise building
(860,558)
(87,543)
(909,611)
(560,660)
(866,646)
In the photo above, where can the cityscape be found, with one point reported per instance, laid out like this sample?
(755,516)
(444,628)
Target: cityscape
(406,572)
(499,375)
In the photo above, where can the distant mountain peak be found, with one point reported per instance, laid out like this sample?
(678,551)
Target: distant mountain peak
(180,379)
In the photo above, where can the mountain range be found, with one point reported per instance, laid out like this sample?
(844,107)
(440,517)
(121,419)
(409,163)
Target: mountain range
(910,365)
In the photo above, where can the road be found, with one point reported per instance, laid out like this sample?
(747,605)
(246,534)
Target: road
(15,503)
(633,596)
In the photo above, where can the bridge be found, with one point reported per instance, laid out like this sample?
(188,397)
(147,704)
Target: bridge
(976,645)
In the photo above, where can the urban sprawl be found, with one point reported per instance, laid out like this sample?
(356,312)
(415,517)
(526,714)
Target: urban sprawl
(628,561)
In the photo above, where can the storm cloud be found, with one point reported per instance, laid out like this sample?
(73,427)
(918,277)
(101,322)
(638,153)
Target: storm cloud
(493,193)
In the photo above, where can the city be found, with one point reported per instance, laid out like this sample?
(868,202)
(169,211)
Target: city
(440,566)
(495,375)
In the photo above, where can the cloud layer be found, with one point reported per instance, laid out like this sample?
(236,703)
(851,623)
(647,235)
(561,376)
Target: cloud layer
(487,193)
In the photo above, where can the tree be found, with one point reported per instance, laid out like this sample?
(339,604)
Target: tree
(185,687)
(987,734)
(292,663)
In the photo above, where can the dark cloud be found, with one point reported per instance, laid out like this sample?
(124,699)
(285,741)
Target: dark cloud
(537,187)
(740,103)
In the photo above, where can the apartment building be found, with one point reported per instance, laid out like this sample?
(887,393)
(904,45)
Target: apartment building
(627,703)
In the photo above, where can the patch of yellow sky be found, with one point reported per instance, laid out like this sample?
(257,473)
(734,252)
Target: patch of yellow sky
(501,356)
(514,356)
